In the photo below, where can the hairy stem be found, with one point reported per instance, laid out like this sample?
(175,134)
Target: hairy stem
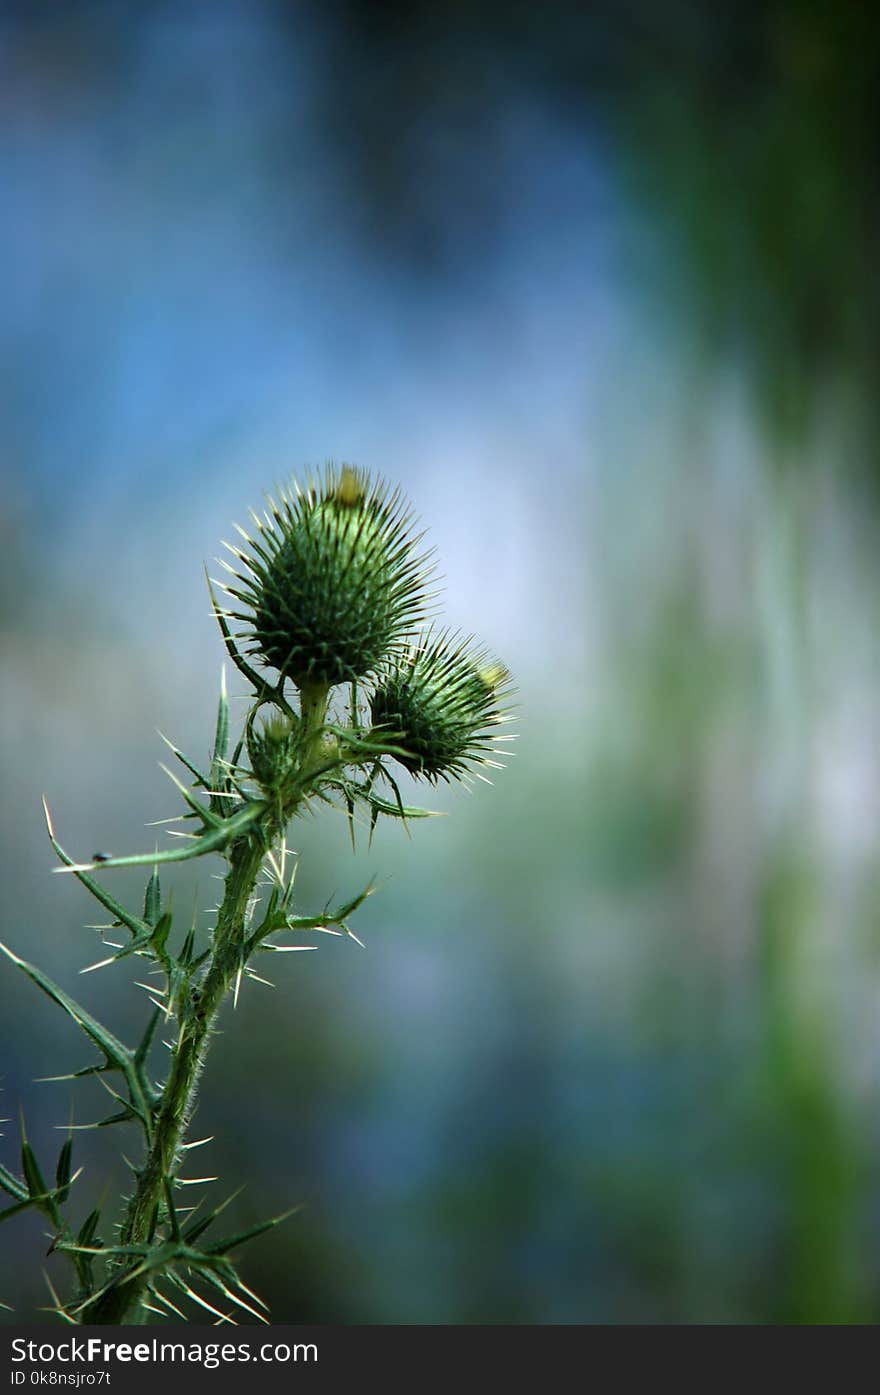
(178,1095)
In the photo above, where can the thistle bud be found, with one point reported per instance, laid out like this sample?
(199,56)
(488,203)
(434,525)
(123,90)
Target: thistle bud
(440,701)
(272,748)
(333,582)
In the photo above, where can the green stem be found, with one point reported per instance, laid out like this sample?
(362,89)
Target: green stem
(313,708)
(139,1224)
(178,1096)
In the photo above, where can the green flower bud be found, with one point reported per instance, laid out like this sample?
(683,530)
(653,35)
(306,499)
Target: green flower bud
(332,583)
(272,748)
(440,701)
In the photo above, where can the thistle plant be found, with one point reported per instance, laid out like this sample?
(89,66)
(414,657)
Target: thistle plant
(324,610)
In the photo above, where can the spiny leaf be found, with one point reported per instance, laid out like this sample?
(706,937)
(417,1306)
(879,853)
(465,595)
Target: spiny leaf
(399,810)
(365,745)
(109,902)
(201,779)
(160,1257)
(218,838)
(218,773)
(153,900)
(132,1108)
(173,1219)
(12,1185)
(202,811)
(282,921)
(62,1171)
(159,937)
(43,1201)
(87,1230)
(151,939)
(31,1168)
(14,1210)
(341,913)
(221,732)
(114,1251)
(123,1116)
(197,1228)
(116,1054)
(266,691)
(143,1050)
(222,1247)
(75,1074)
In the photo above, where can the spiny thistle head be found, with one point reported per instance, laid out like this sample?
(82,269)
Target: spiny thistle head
(333,580)
(442,699)
(272,748)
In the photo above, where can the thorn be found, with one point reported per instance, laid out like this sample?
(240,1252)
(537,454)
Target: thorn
(167,1301)
(250,1293)
(203,1302)
(101,964)
(294,949)
(59,1306)
(257,979)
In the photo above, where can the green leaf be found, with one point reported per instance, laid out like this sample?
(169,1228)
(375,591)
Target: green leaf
(12,1185)
(76,1074)
(14,1210)
(131,922)
(31,1169)
(33,1190)
(187,949)
(116,1054)
(124,1116)
(216,840)
(342,913)
(267,692)
(283,921)
(159,937)
(153,900)
(219,768)
(197,1228)
(86,1234)
(171,1209)
(202,811)
(399,810)
(143,1050)
(62,1171)
(222,1247)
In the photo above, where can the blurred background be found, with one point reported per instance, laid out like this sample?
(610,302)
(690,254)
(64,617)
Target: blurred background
(597,286)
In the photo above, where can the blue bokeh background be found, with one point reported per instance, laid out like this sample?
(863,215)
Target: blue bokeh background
(611,1052)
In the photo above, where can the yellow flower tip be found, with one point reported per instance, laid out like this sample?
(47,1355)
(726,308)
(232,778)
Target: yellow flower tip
(493,675)
(349,490)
